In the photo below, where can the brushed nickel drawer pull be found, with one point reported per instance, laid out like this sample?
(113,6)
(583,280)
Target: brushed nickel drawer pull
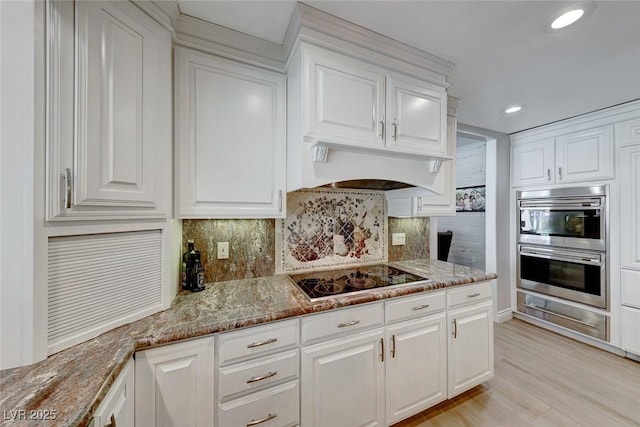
(455,328)
(264,377)
(263,420)
(265,342)
(393,346)
(344,325)
(477,294)
(112,421)
(420,307)
(382,349)
(562,316)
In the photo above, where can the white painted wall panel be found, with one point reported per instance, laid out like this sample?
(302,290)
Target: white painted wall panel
(468,242)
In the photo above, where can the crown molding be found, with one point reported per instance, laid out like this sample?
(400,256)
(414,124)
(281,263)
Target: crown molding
(165,12)
(607,116)
(313,26)
(218,40)
(321,28)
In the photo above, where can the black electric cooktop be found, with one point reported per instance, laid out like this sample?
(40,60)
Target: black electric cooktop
(326,284)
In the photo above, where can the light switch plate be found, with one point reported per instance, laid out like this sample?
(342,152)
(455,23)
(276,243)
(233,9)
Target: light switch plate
(398,239)
(223,250)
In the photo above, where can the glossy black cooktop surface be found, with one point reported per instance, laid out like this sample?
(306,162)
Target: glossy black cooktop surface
(326,284)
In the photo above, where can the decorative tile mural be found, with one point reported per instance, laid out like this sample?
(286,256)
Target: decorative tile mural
(332,228)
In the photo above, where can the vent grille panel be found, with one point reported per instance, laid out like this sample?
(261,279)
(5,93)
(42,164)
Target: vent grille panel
(99,281)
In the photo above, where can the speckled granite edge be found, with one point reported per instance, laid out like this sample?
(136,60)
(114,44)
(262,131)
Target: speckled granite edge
(74,382)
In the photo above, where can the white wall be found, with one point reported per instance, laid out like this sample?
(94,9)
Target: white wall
(502,195)
(468,243)
(17,44)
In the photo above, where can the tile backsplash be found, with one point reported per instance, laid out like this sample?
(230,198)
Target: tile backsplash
(331,228)
(340,227)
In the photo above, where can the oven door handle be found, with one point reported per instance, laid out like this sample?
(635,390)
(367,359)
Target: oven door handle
(585,260)
(535,307)
(569,204)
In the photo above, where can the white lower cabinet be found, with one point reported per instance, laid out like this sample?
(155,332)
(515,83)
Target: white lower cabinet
(175,385)
(470,351)
(345,367)
(343,381)
(258,370)
(416,369)
(118,405)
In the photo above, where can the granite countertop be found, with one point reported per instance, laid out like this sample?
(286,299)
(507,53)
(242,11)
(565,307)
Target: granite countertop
(74,381)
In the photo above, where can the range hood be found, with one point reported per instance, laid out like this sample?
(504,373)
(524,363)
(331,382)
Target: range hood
(345,167)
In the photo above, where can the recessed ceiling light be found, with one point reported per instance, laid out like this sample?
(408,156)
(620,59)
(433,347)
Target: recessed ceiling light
(513,109)
(567,19)
(572,14)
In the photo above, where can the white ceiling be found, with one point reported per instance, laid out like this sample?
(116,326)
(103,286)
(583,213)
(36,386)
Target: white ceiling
(501,55)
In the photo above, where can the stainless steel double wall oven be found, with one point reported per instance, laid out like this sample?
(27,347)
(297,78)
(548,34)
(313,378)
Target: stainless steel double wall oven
(562,253)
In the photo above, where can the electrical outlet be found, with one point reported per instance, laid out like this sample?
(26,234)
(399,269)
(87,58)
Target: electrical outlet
(398,239)
(223,250)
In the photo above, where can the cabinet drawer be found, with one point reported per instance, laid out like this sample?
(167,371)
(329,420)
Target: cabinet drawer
(274,407)
(469,294)
(335,323)
(257,341)
(414,306)
(631,288)
(256,374)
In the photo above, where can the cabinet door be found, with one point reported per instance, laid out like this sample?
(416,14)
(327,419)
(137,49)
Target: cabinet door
(630,206)
(416,371)
(117,407)
(470,348)
(343,382)
(230,138)
(344,100)
(630,320)
(585,156)
(109,121)
(416,116)
(174,385)
(533,164)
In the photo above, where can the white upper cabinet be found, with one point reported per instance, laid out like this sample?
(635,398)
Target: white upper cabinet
(569,158)
(416,116)
(230,138)
(533,164)
(585,156)
(350,102)
(109,112)
(345,100)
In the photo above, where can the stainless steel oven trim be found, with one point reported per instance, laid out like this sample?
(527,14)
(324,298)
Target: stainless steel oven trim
(595,190)
(600,301)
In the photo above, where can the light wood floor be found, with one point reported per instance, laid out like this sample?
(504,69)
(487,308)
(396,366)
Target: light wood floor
(544,379)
